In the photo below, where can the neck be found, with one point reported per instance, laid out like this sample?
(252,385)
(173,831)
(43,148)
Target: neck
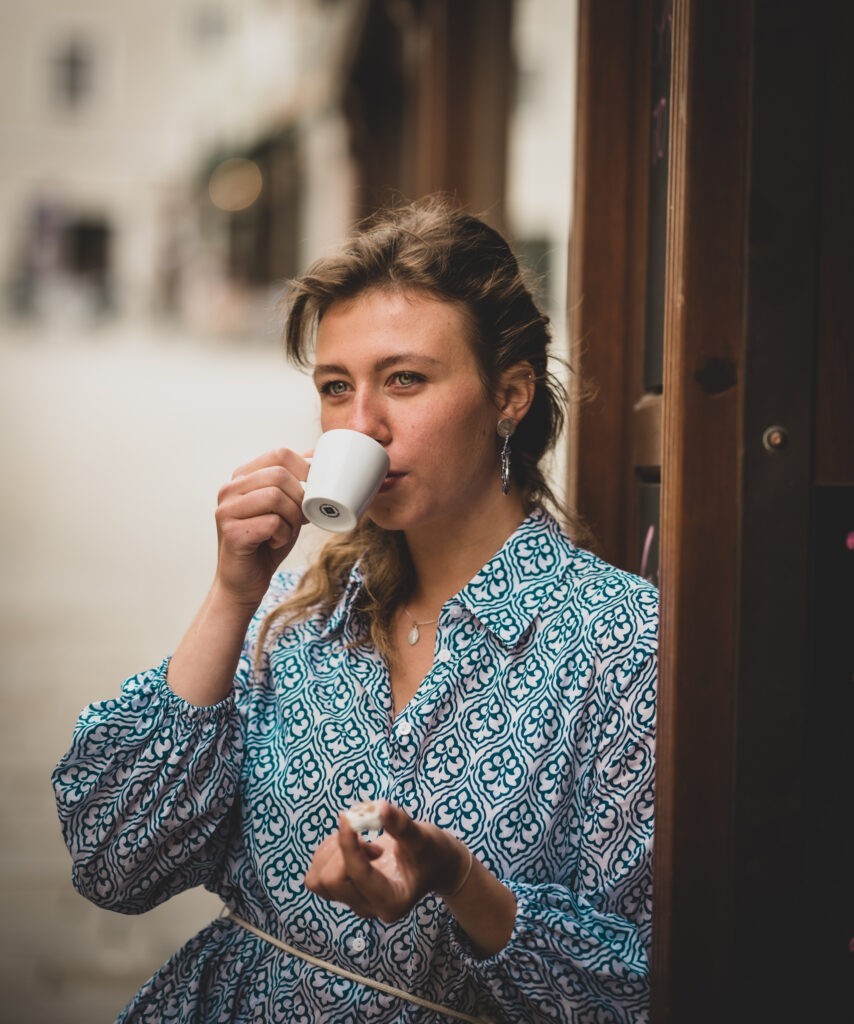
(447,555)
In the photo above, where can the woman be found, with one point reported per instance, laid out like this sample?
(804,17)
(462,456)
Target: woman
(455,657)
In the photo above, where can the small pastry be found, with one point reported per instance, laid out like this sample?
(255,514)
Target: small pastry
(365,817)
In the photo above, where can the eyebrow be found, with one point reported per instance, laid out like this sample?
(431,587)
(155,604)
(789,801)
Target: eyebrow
(381,364)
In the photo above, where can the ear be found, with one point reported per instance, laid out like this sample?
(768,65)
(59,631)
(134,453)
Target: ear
(515,391)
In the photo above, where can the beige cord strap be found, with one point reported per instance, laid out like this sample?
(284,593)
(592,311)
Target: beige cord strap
(352,976)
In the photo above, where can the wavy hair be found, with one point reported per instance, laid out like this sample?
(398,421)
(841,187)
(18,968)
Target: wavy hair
(432,247)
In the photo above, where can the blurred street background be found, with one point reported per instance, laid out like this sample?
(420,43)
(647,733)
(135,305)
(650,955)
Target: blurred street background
(113,445)
(164,168)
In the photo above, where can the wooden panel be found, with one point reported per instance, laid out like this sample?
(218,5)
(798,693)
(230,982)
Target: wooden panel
(772,796)
(829,830)
(642,449)
(375,102)
(427,102)
(611,284)
(834,446)
(704,330)
(600,314)
(464,78)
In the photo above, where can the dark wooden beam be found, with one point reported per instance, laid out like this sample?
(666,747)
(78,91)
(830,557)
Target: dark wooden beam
(704,335)
(601,308)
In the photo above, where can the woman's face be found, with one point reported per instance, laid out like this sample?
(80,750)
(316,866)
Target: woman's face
(399,367)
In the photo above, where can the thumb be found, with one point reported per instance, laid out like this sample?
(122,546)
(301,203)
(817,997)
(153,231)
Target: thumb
(397,823)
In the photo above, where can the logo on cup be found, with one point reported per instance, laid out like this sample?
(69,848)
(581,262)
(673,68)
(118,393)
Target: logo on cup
(330,511)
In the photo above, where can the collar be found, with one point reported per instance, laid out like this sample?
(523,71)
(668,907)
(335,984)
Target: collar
(508,591)
(341,612)
(514,584)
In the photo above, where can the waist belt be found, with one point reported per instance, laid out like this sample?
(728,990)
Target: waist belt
(360,979)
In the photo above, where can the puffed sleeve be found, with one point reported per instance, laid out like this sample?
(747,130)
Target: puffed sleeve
(146,792)
(580,951)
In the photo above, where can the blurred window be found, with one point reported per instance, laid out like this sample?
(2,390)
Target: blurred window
(74,74)
(209,24)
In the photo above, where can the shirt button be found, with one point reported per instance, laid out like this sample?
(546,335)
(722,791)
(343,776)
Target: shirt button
(404,729)
(444,656)
(357,944)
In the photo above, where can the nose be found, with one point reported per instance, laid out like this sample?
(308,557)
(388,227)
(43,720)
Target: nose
(368,415)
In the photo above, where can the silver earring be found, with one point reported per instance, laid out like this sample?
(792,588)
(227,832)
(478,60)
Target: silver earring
(505,429)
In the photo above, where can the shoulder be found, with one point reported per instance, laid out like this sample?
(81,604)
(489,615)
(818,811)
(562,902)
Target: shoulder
(598,584)
(282,586)
(280,591)
(294,616)
(583,579)
(608,613)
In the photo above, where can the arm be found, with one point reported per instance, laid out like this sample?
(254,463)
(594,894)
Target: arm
(146,791)
(258,521)
(145,794)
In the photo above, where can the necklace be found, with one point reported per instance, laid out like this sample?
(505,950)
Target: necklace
(414,635)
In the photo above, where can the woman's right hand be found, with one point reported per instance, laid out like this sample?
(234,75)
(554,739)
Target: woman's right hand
(258,519)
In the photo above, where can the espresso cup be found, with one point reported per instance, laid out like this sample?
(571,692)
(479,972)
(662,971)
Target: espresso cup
(346,471)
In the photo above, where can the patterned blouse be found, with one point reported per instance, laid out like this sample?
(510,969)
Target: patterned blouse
(531,739)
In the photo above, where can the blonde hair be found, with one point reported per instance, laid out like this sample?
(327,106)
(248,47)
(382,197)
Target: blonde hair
(433,247)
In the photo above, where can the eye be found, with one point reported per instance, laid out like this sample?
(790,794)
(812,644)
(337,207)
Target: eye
(334,388)
(406,378)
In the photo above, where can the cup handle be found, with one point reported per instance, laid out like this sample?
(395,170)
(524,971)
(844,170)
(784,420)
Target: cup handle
(308,460)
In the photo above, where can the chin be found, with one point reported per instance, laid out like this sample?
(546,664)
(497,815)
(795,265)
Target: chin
(386,520)
(386,516)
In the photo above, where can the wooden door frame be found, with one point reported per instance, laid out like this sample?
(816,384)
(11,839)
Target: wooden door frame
(756,322)
(607,240)
(704,329)
(700,514)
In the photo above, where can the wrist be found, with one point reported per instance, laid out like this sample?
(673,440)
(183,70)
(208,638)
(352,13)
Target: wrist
(228,605)
(454,866)
(468,864)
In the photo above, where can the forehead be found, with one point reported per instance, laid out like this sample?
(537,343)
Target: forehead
(380,321)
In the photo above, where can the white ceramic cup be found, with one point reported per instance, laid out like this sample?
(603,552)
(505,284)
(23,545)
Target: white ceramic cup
(347,469)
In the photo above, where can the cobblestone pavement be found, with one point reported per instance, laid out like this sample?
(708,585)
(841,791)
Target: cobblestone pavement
(113,443)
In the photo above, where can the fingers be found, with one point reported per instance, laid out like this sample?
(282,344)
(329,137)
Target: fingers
(398,824)
(265,513)
(354,855)
(280,457)
(258,519)
(376,882)
(329,874)
(434,857)
(263,502)
(383,878)
(271,478)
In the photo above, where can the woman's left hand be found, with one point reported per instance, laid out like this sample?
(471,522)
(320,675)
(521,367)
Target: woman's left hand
(387,877)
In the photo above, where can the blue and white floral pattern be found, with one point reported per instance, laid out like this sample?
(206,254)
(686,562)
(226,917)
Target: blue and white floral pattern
(531,739)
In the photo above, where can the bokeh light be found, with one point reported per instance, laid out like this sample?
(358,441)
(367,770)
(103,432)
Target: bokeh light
(235,184)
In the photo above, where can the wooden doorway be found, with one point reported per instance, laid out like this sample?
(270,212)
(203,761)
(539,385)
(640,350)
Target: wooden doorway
(753,903)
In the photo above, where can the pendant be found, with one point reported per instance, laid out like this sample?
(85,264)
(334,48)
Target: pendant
(413,636)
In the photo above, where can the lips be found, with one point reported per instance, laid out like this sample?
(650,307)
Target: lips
(390,480)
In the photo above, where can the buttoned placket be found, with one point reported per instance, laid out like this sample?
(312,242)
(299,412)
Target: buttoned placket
(408,728)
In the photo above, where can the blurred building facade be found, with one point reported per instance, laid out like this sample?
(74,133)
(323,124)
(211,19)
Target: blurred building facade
(184,158)
(115,115)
